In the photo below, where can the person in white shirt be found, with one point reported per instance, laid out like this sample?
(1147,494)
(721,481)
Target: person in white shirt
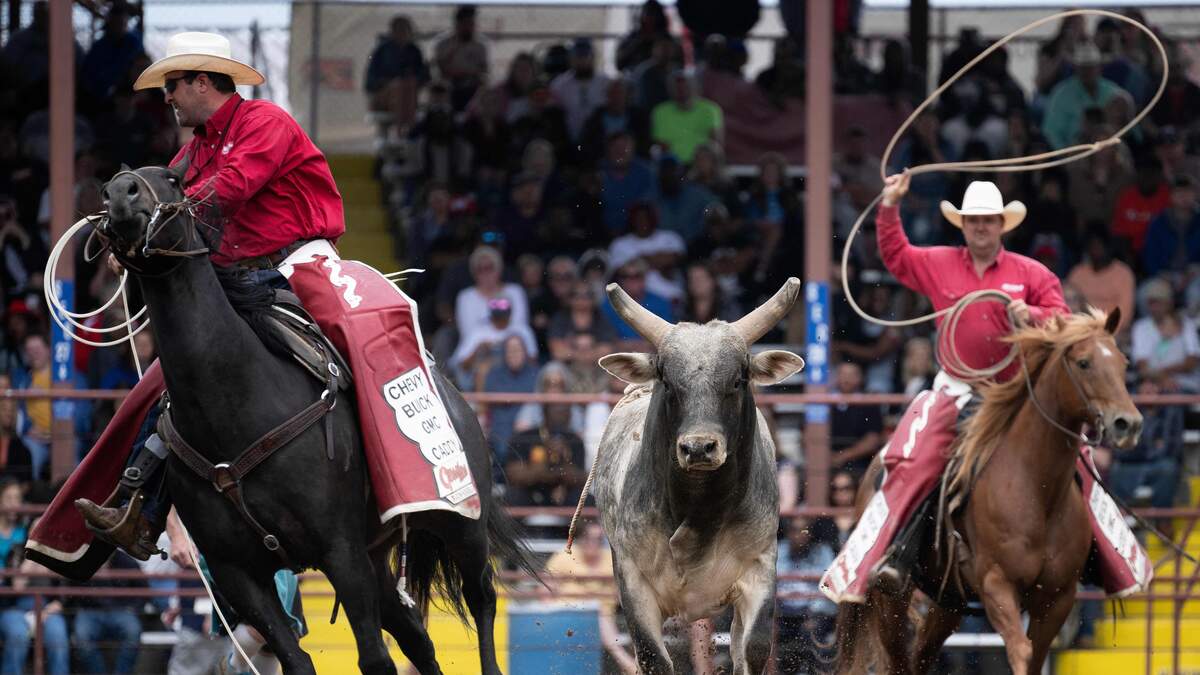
(662,250)
(471,313)
(581,89)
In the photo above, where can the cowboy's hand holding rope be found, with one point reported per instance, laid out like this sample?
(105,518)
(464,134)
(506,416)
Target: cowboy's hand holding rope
(115,265)
(895,187)
(1019,311)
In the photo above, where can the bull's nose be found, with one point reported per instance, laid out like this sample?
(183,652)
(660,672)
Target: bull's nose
(697,447)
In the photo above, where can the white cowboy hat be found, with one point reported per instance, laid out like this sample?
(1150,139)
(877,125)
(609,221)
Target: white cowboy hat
(982,198)
(198,51)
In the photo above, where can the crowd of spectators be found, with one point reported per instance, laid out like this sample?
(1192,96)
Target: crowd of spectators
(523,193)
(567,173)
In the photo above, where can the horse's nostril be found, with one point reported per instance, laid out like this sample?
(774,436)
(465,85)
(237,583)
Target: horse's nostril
(1121,424)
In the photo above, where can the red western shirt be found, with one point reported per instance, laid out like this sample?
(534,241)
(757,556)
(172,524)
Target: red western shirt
(272,185)
(946,273)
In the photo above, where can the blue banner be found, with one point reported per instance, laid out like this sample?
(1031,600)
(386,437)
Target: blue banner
(816,354)
(62,349)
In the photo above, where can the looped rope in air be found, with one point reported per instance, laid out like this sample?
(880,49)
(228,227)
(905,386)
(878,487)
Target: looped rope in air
(946,349)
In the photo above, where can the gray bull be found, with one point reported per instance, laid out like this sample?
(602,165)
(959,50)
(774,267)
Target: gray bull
(685,480)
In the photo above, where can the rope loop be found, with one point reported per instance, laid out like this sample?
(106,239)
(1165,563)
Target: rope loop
(948,356)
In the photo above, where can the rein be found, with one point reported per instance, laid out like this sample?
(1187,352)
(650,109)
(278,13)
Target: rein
(1084,440)
(154,226)
(1097,420)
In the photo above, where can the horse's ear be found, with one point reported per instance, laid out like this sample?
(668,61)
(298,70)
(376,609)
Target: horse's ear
(125,167)
(1113,320)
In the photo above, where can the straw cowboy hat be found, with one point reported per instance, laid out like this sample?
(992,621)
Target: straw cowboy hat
(198,51)
(982,198)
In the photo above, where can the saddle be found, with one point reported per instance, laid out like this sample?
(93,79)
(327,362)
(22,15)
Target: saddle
(287,329)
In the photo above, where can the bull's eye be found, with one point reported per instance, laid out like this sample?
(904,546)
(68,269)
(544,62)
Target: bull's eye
(1084,364)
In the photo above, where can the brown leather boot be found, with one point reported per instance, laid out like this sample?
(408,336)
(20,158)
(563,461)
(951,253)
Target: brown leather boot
(124,527)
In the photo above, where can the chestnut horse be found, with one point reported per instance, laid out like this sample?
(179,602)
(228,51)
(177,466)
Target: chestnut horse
(1025,524)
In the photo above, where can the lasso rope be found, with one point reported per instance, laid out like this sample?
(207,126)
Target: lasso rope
(948,355)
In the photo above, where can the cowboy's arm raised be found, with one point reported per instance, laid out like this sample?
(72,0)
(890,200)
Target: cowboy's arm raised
(906,262)
(254,159)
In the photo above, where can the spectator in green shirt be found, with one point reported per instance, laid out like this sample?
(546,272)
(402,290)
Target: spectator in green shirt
(1071,97)
(686,121)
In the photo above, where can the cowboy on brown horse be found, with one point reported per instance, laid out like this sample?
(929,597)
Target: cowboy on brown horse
(917,454)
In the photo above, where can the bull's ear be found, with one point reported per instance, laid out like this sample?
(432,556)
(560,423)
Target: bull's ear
(630,367)
(1114,320)
(774,366)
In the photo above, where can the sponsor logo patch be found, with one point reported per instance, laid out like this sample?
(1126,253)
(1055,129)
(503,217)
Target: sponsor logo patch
(422,417)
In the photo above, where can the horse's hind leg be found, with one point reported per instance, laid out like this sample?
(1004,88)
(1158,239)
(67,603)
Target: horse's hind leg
(352,575)
(403,622)
(1045,624)
(938,625)
(257,602)
(470,552)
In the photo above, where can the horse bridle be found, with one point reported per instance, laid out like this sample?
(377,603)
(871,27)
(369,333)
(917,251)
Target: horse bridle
(1093,411)
(162,214)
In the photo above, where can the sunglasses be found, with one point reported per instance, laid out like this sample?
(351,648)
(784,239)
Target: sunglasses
(169,85)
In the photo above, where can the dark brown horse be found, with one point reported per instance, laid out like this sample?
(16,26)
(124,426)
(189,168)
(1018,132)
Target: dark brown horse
(1025,522)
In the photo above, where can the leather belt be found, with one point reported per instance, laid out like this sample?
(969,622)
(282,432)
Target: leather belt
(227,477)
(271,260)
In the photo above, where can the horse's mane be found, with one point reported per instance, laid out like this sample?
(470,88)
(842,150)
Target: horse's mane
(1040,346)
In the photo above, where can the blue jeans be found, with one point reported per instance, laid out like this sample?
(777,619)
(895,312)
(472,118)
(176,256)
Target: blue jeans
(17,637)
(96,628)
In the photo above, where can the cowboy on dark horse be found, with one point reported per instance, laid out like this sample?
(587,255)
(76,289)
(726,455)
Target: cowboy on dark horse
(279,208)
(883,545)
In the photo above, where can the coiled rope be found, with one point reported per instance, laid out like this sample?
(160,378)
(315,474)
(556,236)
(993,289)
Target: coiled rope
(947,351)
(132,325)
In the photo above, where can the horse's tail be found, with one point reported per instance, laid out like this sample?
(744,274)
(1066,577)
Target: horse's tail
(853,638)
(433,571)
(507,542)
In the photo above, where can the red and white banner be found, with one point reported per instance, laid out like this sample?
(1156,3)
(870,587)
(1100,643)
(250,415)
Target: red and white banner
(415,458)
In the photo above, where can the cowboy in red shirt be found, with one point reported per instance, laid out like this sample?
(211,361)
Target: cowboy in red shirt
(916,454)
(279,212)
(269,188)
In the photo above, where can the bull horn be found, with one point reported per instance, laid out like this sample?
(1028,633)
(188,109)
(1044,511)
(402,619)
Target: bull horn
(756,324)
(640,319)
